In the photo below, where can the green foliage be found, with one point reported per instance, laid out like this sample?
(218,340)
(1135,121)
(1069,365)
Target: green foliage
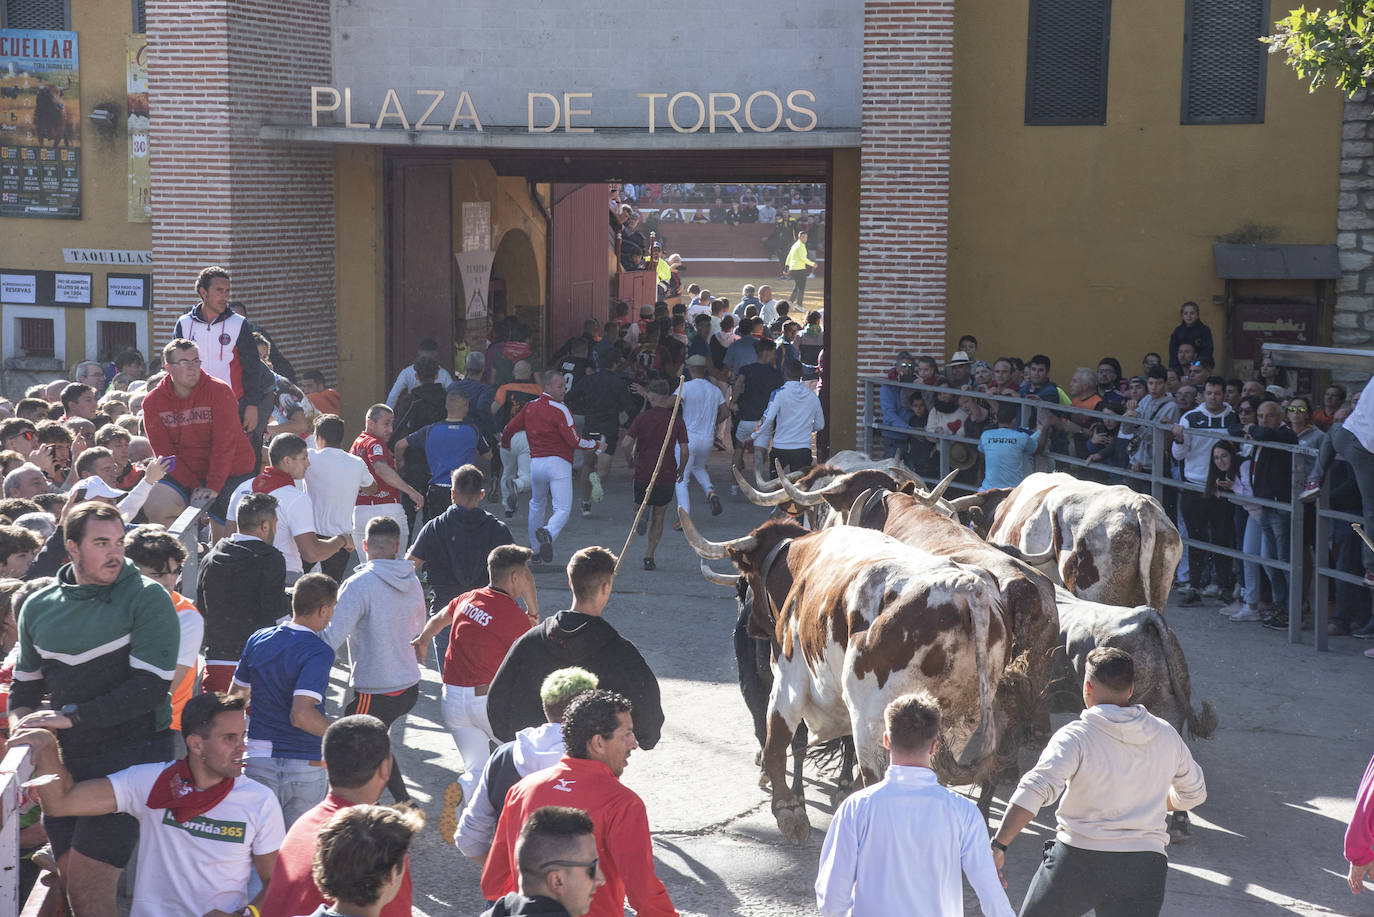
(1322,45)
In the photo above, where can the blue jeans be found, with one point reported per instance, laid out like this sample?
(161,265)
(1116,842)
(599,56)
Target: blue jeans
(298,784)
(1275,531)
(1251,545)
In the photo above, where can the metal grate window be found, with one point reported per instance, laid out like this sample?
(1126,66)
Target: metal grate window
(36,337)
(1224,62)
(35,14)
(113,338)
(140,17)
(1066,61)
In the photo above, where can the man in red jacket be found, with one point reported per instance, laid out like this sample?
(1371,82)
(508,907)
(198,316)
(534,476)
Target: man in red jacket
(599,736)
(194,417)
(552,436)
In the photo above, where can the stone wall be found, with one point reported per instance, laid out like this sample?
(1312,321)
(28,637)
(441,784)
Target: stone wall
(1353,318)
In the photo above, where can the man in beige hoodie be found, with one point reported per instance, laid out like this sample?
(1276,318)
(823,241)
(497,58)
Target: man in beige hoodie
(1120,769)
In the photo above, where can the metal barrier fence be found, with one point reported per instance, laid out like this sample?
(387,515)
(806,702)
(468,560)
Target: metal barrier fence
(1158,480)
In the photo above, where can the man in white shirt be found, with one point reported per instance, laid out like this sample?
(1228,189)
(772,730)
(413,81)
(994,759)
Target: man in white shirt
(333,482)
(1119,769)
(792,417)
(204,827)
(703,406)
(407,380)
(898,847)
(296,536)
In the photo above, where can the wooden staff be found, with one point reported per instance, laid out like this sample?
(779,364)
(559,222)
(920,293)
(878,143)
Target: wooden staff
(648,491)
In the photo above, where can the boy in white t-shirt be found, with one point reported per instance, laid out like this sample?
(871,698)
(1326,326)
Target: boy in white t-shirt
(204,829)
(332,482)
(296,536)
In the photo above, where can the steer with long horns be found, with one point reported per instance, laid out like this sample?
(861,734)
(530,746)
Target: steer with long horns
(857,619)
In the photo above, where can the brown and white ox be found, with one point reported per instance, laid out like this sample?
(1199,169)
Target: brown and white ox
(1112,544)
(858,619)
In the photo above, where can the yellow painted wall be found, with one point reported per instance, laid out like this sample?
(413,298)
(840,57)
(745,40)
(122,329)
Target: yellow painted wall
(360,269)
(35,243)
(842,267)
(1083,241)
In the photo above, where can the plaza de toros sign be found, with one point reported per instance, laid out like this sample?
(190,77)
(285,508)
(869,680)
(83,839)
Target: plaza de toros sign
(760,112)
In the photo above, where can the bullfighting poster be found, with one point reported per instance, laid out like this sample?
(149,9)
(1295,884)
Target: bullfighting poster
(140,184)
(40,124)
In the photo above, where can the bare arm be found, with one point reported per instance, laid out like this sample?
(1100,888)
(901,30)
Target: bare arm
(314,549)
(437,622)
(305,716)
(389,476)
(54,787)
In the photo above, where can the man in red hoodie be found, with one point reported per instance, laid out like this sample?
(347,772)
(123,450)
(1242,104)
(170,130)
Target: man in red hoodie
(599,736)
(194,417)
(552,436)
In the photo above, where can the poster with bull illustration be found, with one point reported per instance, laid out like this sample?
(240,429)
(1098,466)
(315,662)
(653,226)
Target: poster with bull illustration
(40,124)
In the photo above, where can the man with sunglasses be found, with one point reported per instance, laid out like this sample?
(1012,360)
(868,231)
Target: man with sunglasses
(559,868)
(159,556)
(598,733)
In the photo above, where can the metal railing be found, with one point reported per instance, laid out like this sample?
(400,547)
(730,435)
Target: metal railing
(16,768)
(1158,479)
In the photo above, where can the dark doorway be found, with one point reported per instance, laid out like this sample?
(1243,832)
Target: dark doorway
(421,260)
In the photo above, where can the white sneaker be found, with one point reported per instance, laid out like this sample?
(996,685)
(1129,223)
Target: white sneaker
(1248,613)
(1231,609)
(1211,591)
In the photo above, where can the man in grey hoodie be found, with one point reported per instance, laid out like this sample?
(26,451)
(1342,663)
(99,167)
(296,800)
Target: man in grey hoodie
(381,609)
(534,748)
(1119,769)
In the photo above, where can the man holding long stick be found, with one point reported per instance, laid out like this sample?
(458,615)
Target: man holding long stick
(642,446)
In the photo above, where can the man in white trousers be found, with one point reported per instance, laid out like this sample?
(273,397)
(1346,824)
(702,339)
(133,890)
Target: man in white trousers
(703,406)
(553,439)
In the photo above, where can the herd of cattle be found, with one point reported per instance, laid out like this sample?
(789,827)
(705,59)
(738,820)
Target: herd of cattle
(872,586)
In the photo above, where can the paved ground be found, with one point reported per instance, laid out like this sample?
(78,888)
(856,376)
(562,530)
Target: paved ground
(1294,740)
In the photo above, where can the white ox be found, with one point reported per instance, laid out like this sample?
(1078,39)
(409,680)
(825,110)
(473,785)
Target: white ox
(1111,544)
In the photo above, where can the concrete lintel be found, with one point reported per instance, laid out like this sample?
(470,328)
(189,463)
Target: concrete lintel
(603,139)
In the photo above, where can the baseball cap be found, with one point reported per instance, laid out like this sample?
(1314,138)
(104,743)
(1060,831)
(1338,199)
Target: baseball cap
(95,486)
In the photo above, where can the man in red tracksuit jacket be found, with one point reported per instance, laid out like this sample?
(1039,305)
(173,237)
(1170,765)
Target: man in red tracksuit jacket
(552,436)
(588,778)
(195,417)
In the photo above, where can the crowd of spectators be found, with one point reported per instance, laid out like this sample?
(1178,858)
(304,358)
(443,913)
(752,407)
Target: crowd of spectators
(998,443)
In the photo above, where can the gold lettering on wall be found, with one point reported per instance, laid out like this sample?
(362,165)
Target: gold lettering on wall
(543,97)
(348,111)
(701,112)
(465,101)
(316,93)
(438,97)
(791,103)
(777,111)
(391,108)
(728,114)
(569,111)
(653,98)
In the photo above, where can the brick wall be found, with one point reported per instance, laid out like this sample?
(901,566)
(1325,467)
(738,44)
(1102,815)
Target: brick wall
(904,173)
(218,70)
(1353,321)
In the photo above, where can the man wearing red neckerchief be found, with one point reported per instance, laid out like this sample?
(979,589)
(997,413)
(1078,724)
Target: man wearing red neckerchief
(204,827)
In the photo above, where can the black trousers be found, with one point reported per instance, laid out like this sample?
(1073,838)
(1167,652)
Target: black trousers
(335,566)
(793,459)
(1071,881)
(798,289)
(1214,521)
(437,499)
(388,709)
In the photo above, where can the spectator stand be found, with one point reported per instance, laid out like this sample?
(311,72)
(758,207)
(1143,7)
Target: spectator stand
(1157,479)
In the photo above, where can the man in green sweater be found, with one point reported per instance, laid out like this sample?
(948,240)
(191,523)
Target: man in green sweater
(102,644)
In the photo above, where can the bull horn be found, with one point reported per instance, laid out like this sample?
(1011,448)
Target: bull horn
(774,497)
(938,491)
(791,478)
(813,497)
(1044,557)
(902,475)
(720,579)
(712,550)
(761,484)
(969,502)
